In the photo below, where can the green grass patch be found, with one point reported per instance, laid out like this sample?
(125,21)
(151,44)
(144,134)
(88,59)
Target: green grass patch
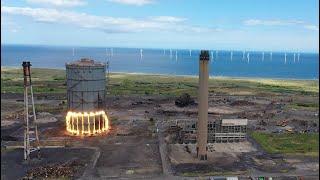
(38,87)
(148,86)
(289,85)
(203,174)
(307,144)
(113,119)
(312,105)
(50,109)
(305,106)
(59,78)
(53,81)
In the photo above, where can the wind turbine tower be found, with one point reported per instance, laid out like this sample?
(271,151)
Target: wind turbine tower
(243,53)
(285,58)
(216,54)
(231,54)
(176,55)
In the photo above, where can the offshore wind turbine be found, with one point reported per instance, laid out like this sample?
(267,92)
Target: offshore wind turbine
(141,55)
(107,64)
(248,57)
(298,57)
(216,54)
(190,52)
(176,55)
(285,58)
(231,54)
(294,57)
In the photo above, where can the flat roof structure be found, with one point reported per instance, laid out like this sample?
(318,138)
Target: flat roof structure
(234,122)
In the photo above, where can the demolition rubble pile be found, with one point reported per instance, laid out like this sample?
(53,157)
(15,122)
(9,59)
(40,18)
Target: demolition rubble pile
(53,171)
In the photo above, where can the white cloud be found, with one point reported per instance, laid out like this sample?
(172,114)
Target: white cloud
(254,22)
(80,19)
(312,27)
(169,19)
(105,23)
(133,2)
(59,3)
(8,24)
(257,22)
(203,29)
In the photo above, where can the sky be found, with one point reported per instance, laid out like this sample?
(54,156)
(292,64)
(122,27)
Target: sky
(267,25)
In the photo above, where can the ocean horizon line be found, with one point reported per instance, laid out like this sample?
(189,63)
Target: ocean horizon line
(173,48)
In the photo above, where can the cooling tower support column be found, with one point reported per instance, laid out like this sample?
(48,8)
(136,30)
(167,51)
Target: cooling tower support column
(202,129)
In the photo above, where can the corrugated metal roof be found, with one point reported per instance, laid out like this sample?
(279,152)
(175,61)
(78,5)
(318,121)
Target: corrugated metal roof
(85,62)
(234,122)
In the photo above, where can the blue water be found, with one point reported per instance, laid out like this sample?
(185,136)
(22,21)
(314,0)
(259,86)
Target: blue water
(157,61)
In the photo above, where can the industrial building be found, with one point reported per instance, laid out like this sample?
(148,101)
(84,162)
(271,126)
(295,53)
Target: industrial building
(219,131)
(86,90)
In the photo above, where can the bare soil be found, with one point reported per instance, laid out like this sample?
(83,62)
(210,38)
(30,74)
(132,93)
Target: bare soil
(131,148)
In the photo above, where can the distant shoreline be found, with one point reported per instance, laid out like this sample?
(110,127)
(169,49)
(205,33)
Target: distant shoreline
(189,76)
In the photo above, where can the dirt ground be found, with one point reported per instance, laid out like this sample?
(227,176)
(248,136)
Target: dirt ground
(132,148)
(13,166)
(237,159)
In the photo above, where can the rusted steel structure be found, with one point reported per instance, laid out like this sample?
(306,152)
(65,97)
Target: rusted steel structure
(30,126)
(219,131)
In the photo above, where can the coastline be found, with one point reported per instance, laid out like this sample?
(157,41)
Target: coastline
(183,76)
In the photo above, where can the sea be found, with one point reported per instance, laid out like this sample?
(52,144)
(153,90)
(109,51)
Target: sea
(236,64)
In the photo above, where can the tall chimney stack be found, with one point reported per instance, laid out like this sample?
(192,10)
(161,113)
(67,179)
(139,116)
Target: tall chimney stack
(202,132)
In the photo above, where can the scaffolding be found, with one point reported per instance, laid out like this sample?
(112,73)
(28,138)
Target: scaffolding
(30,127)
